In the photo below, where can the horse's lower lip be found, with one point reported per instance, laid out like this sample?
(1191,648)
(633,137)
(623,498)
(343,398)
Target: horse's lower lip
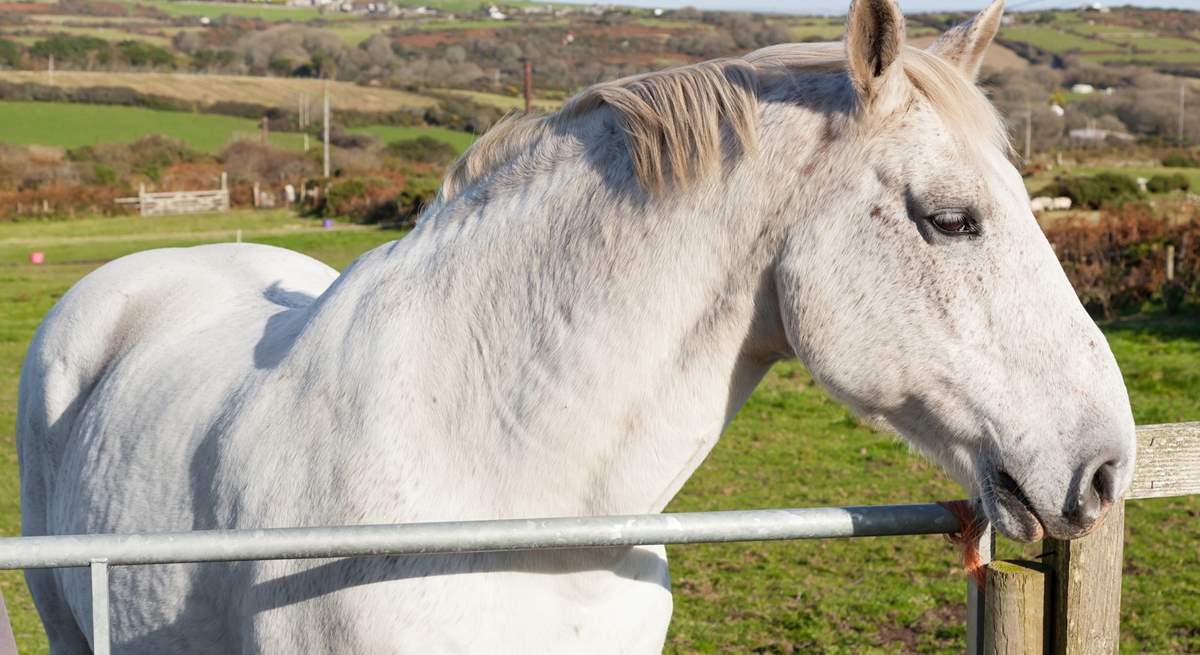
(1009,495)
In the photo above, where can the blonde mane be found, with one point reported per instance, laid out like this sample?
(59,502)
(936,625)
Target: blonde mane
(674,120)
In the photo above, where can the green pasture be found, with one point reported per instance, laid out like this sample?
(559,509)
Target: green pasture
(258,10)
(69,125)
(1052,40)
(1183,57)
(508,103)
(791,445)
(1035,183)
(106,33)
(388,133)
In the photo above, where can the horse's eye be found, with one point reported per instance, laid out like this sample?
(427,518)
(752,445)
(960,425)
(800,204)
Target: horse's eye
(954,222)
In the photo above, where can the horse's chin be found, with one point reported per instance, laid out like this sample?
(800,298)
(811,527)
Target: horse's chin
(1011,513)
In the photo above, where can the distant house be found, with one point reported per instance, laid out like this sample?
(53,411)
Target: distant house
(495,14)
(1097,134)
(1083,89)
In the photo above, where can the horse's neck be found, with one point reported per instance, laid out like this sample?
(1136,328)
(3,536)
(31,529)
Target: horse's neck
(568,362)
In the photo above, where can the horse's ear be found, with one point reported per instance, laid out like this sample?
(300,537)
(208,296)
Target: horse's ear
(965,45)
(874,40)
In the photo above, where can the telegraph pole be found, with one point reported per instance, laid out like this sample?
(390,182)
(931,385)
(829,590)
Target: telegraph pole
(1028,134)
(302,118)
(528,86)
(325,154)
(1182,108)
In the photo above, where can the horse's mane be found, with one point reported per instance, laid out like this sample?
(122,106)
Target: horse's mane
(674,119)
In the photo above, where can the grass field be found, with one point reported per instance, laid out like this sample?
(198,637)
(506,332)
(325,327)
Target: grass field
(106,33)
(506,102)
(1035,183)
(206,89)
(790,446)
(387,133)
(258,10)
(1052,40)
(69,125)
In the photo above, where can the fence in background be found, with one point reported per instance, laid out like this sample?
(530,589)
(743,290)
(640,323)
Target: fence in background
(1068,605)
(166,203)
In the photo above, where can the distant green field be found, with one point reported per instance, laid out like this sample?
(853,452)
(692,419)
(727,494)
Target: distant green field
(506,102)
(387,133)
(261,11)
(1052,40)
(106,33)
(70,125)
(1144,58)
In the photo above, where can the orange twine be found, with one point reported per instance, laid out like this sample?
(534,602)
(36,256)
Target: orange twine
(968,538)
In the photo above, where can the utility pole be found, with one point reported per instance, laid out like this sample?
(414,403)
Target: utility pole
(50,70)
(1028,134)
(266,129)
(302,118)
(325,154)
(528,86)
(1182,108)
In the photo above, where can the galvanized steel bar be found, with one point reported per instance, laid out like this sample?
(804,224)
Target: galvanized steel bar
(476,536)
(99,606)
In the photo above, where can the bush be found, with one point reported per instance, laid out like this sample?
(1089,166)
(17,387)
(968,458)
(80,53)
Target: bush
(1117,265)
(363,199)
(1104,189)
(10,54)
(423,149)
(1168,183)
(1180,160)
(250,161)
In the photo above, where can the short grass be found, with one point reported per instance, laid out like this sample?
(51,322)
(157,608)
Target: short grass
(387,133)
(506,102)
(106,33)
(257,10)
(790,446)
(1052,40)
(1035,183)
(206,89)
(1184,57)
(69,125)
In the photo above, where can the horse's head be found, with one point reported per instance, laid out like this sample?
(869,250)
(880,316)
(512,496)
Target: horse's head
(920,289)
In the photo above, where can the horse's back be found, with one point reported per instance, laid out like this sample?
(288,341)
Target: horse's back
(108,347)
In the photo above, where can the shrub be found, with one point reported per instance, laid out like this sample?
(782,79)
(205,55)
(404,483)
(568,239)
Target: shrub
(1103,189)
(10,54)
(1168,183)
(363,199)
(1117,265)
(423,149)
(1179,159)
(250,161)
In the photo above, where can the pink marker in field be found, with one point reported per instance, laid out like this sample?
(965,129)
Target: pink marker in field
(37,257)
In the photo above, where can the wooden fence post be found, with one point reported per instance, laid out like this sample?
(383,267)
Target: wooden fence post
(1087,589)
(1017,616)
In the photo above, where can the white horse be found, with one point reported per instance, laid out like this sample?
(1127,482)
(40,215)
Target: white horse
(567,332)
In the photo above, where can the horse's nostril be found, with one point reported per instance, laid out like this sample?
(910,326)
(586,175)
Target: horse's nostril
(1104,482)
(1007,483)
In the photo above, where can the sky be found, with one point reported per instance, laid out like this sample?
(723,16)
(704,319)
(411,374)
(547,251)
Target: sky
(839,6)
